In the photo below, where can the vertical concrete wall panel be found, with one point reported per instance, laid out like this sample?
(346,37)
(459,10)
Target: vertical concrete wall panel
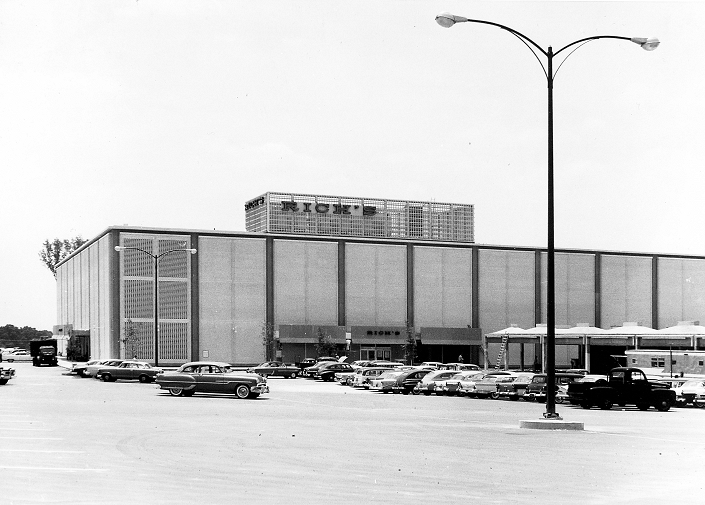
(376,284)
(442,287)
(626,290)
(506,289)
(231,298)
(575,288)
(681,291)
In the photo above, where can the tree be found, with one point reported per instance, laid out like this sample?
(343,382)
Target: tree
(410,346)
(54,252)
(12,336)
(130,341)
(268,341)
(325,345)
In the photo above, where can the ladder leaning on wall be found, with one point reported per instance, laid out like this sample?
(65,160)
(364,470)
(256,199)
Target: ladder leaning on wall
(502,351)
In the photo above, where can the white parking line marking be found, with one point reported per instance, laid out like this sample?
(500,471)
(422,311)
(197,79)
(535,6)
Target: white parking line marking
(31,438)
(26,429)
(42,451)
(52,469)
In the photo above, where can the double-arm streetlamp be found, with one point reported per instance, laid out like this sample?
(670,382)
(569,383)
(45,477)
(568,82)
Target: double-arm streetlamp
(155,258)
(447,20)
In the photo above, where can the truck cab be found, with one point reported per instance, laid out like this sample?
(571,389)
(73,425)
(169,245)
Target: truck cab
(629,386)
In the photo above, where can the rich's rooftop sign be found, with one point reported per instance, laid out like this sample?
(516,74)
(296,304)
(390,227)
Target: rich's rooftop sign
(328,208)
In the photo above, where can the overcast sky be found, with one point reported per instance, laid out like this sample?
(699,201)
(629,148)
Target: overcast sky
(175,113)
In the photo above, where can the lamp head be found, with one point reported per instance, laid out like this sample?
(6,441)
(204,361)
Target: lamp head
(119,248)
(446,19)
(646,44)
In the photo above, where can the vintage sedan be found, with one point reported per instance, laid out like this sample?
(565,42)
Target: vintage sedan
(364,376)
(488,387)
(515,388)
(434,382)
(91,370)
(385,381)
(276,368)
(128,370)
(5,375)
(452,385)
(689,392)
(406,382)
(212,377)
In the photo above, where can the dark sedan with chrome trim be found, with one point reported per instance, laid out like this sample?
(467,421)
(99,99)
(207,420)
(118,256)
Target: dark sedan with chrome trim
(212,377)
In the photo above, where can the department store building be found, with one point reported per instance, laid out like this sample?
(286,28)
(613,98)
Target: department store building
(360,271)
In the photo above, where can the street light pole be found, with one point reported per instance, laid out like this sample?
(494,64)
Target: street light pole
(156,258)
(447,20)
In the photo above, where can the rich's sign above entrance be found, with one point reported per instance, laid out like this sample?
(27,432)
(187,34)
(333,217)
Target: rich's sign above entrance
(329,208)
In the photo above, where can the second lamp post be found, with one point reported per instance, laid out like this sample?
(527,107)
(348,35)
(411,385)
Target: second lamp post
(447,20)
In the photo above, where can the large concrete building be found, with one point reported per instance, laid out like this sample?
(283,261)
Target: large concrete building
(361,271)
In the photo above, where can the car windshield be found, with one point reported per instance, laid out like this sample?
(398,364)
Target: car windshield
(390,375)
(539,380)
(693,384)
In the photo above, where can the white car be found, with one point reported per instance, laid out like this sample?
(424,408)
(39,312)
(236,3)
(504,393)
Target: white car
(11,357)
(691,392)
(92,370)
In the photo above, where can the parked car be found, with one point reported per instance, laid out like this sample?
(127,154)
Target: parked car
(434,382)
(452,385)
(406,381)
(575,394)
(212,377)
(128,370)
(385,381)
(308,362)
(327,371)
(311,371)
(364,376)
(276,369)
(689,391)
(17,356)
(626,386)
(80,368)
(536,390)
(5,375)
(514,389)
(91,370)
(467,386)
(488,386)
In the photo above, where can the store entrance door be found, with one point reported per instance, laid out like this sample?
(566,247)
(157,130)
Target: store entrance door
(376,353)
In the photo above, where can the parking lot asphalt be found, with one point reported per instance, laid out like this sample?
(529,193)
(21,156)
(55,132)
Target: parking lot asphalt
(67,439)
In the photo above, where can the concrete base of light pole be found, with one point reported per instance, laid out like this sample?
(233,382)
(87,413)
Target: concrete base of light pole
(551,424)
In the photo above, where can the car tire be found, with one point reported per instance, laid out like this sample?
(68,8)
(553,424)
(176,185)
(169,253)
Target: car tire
(494,396)
(106,377)
(144,379)
(662,405)
(242,391)
(606,404)
(293,375)
(176,391)
(3,381)
(82,373)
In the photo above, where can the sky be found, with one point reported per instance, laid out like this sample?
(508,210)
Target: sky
(173,114)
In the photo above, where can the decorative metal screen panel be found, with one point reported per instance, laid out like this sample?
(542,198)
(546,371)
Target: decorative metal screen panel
(360,217)
(137,296)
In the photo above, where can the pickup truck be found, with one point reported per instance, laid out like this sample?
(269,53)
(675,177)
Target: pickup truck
(5,375)
(623,386)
